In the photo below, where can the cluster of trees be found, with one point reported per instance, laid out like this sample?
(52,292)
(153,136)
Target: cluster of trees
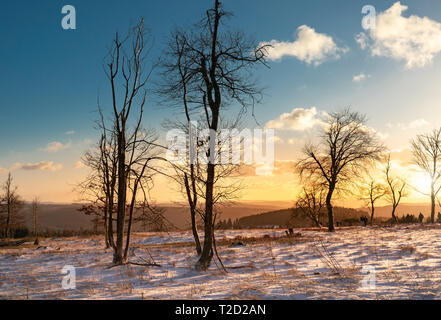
(228,224)
(12,221)
(349,160)
(206,69)
(123,162)
(11,203)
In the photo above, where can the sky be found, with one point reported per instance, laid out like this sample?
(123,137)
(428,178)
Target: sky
(322,60)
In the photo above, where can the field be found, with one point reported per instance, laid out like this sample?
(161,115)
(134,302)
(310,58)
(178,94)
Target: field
(400,262)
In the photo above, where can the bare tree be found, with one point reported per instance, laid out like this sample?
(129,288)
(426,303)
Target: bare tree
(311,202)
(207,69)
(370,191)
(98,188)
(346,145)
(397,188)
(35,206)
(11,203)
(135,147)
(426,150)
(190,170)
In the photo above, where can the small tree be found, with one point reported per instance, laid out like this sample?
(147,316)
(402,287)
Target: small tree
(311,202)
(211,69)
(370,191)
(123,165)
(35,206)
(426,150)
(11,204)
(396,188)
(346,146)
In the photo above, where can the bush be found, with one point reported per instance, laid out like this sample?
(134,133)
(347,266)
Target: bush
(408,218)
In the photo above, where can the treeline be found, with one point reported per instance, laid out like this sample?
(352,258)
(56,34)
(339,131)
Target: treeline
(228,224)
(12,222)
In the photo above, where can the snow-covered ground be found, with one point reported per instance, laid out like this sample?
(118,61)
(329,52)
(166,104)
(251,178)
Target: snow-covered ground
(402,262)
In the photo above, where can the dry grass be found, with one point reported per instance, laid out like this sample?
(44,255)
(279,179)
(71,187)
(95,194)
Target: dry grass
(409,249)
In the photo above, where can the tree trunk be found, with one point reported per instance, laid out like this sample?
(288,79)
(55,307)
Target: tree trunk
(118,257)
(8,221)
(372,212)
(329,207)
(129,226)
(106,222)
(35,225)
(394,218)
(195,231)
(192,202)
(433,204)
(207,251)
(110,225)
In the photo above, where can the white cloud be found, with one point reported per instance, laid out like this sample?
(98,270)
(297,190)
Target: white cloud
(413,39)
(14,166)
(70,132)
(415,124)
(298,119)
(79,164)
(360,77)
(362,40)
(42,166)
(310,47)
(418,123)
(56,146)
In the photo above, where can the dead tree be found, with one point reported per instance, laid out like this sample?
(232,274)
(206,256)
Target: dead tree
(98,189)
(346,146)
(426,150)
(397,188)
(35,206)
(11,203)
(127,72)
(311,202)
(211,69)
(370,191)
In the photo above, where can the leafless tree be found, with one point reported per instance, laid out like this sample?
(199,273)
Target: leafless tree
(190,171)
(206,70)
(11,203)
(98,188)
(311,202)
(397,188)
(128,149)
(426,150)
(35,206)
(346,146)
(370,190)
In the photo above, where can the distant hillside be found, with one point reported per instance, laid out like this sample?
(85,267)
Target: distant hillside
(403,209)
(294,218)
(58,217)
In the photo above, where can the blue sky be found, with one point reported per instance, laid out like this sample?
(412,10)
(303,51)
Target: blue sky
(50,77)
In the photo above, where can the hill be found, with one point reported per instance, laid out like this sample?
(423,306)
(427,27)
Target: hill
(59,217)
(294,218)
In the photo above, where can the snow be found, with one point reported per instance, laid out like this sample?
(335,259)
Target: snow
(404,263)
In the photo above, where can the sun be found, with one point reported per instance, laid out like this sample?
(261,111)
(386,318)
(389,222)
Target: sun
(421,182)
